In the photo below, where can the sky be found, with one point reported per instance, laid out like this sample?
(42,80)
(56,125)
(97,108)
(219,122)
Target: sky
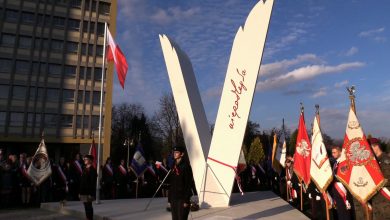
(314,49)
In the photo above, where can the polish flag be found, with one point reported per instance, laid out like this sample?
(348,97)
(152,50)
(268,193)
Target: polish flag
(302,156)
(115,54)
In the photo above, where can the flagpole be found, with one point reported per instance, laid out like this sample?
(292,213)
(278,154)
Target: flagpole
(300,181)
(100,116)
(324,194)
(287,188)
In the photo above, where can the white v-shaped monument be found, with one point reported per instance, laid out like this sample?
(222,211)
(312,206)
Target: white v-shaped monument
(214,159)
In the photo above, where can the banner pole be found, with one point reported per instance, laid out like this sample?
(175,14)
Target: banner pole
(326,205)
(100,117)
(301,196)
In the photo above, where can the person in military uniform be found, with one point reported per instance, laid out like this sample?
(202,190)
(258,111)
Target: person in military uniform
(292,182)
(317,202)
(381,204)
(181,185)
(342,198)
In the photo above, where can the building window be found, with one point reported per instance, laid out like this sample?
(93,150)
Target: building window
(51,120)
(28,18)
(70,71)
(95,122)
(98,74)
(71,47)
(89,73)
(75,3)
(22,67)
(4,91)
(2,118)
(85,26)
(42,18)
(100,29)
(16,119)
(19,92)
(104,8)
(99,50)
(96,98)
(25,42)
(87,97)
(66,120)
(54,69)
(37,123)
(86,121)
(59,22)
(52,95)
(40,94)
(8,40)
(78,121)
(74,24)
(5,65)
(30,120)
(57,45)
(32,93)
(11,15)
(68,95)
(35,68)
(80,96)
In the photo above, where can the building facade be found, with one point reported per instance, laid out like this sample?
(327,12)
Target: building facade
(50,73)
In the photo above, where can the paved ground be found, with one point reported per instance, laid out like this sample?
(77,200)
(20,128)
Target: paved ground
(253,205)
(33,213)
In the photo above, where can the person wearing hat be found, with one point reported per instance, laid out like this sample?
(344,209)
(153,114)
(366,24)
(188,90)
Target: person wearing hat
(181,184)
(380,204)
(88,186)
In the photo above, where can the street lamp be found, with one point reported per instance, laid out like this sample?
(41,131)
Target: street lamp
(128,142)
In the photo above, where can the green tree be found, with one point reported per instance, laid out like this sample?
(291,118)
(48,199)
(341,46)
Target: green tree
(256,152)
(292,142)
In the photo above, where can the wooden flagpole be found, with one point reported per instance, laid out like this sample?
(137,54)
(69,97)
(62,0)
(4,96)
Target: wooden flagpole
(326,205)
(287,187)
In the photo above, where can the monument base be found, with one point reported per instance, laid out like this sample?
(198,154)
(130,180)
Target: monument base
(253,205)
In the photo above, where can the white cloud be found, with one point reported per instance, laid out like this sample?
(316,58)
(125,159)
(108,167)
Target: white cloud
(371,32)
(304,73)
(279,67)
(164,17)
(321,92)
(351,51)
(340,84)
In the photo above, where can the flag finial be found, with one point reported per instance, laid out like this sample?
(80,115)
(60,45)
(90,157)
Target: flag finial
(317,109)
(302,108)
(351,90)
(43,134)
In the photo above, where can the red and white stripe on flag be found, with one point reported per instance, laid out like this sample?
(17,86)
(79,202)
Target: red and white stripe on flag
(115,54)
(358,170)
(302,155)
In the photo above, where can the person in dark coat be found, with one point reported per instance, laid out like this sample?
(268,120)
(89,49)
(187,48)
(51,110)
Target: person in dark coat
(108,180)
(75,171)
(381,204)
(318,206)
(24,180)
(60,181)
(122,180)
(88,186)
(342,198)
(181,185)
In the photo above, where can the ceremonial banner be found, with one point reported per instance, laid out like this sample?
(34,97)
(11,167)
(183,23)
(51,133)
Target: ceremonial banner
(40,167)
(320,169)
(279,152)
(359,171)
(241,163)
(302,156)
(139,162)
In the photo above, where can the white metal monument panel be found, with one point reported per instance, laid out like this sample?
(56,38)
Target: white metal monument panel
(236,100)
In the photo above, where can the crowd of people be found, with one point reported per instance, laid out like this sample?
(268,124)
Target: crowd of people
(117,181)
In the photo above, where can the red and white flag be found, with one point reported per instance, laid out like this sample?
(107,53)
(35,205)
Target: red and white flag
(302,156)
(92,151)
(320,169)
(358,170)
(115,54)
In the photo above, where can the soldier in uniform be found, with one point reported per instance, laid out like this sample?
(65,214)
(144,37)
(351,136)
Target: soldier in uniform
(381,204)
(342,198)
(181,185)
(318,209)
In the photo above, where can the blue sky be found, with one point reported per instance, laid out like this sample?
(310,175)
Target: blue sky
(314,50)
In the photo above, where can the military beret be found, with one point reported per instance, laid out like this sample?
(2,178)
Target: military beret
(178,148)
(88,156)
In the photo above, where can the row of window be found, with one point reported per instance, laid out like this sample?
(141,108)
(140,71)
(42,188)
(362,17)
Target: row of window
(52,94)
(57,22)
(23,67)
(26,42)
(50,120)
(104,7)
